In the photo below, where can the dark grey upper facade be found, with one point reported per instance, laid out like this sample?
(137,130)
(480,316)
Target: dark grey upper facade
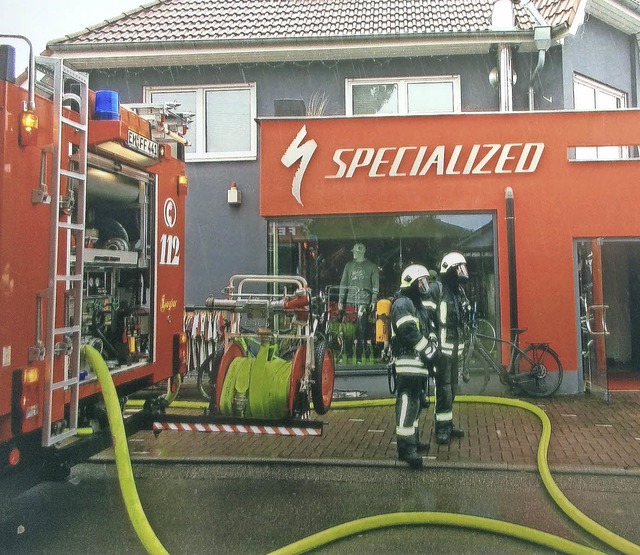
(297,49)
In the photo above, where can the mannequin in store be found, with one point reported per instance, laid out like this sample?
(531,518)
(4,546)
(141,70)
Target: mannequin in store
(359,289)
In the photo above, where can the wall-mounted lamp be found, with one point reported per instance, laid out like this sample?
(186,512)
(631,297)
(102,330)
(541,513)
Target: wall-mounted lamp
(494,77)
(234,196)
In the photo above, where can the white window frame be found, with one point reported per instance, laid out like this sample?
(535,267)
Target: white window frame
(619,95)
(403,86)
(200,155)
(598,152)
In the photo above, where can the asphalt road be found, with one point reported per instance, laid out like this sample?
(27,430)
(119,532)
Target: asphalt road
(255,509)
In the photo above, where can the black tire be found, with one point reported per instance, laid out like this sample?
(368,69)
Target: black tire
(392,379)
(539,373)
(337,345)
(335,340)
(323,378)
(476,371)
(208,371)
(487,335)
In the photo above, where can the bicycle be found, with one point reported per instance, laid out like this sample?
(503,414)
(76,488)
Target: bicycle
(535,370)
(335,326)
(487,334)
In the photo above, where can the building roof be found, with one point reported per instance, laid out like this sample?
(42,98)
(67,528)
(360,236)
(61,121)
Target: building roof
(224,20)
(165,32)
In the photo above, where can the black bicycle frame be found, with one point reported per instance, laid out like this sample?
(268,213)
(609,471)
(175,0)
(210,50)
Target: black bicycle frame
(514,352)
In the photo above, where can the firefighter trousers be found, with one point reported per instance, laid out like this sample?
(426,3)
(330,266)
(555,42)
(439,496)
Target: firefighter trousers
(446,389)
(409,393)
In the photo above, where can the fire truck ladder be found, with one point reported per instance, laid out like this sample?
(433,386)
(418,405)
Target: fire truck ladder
(68,206)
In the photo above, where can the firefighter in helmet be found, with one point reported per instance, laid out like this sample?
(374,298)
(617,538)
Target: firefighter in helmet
(451,306)
(414,346)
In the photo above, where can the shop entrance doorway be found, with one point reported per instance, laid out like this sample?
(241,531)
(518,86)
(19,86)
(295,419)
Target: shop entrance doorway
(608,274)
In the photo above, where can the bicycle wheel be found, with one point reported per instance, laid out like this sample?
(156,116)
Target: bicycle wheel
(476,371)
(335,337)
(538,371)
(288,347)
(487,335)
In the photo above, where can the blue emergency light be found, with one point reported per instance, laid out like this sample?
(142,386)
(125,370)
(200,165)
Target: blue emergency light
(107,105)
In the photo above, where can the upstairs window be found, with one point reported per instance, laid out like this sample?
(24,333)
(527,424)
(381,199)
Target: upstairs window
(416,95)
(224,126)
(591,95)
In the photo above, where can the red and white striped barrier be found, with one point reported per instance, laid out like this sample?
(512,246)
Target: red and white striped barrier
(238,429)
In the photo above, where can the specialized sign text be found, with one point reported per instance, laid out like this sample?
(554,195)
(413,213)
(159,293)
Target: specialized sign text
(422,160)
(411,160)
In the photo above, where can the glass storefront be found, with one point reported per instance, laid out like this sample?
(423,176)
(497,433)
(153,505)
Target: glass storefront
(321,249)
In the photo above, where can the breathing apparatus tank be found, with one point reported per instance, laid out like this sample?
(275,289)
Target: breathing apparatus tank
(383,309)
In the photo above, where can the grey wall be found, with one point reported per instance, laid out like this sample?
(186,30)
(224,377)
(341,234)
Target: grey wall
(223,240)
(604,54)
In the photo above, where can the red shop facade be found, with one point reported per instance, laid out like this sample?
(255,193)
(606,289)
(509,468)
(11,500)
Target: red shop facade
(542,204)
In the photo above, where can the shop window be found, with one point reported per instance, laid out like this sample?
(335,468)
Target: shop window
(424,95)
(224,127)
(591,95)
(320,248)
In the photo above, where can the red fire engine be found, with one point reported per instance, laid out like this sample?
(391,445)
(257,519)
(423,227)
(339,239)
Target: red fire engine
(92,213)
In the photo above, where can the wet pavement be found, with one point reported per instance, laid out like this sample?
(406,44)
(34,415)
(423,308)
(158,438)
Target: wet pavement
(588,434)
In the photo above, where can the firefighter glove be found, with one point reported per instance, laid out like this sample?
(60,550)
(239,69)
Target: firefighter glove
(427,356)
(433,340)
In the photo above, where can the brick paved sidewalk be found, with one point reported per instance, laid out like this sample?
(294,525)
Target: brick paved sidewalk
(587,433)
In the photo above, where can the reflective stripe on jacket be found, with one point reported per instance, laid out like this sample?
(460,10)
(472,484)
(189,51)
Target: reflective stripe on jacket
(409,329)
(451,307)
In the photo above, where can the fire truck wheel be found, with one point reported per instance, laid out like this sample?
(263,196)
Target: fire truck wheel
(323,378)
(298,400)
(233,351)
(208,372)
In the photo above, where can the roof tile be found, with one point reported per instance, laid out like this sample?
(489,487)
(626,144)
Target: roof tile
(229,20)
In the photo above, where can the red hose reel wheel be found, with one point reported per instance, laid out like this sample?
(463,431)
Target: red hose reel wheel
(297,373)
(233,351)
(323,378)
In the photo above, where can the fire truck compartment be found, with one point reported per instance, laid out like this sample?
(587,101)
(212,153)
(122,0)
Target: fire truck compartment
(117,264)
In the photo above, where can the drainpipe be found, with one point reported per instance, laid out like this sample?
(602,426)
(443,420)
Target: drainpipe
(505,71)
(542,40)
(511,260)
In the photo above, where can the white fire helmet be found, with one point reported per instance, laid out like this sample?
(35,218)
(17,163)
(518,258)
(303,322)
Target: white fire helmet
(457,261)
(415,273)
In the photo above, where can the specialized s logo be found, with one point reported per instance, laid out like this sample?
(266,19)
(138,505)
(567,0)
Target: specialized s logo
(303,152)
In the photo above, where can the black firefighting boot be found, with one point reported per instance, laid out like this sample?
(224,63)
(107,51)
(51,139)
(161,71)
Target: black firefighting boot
(457,432)
(443,433)
(408,453)
(421,446)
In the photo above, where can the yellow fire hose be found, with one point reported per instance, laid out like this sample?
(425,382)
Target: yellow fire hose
(499,527)
(153,546)
(123,461)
